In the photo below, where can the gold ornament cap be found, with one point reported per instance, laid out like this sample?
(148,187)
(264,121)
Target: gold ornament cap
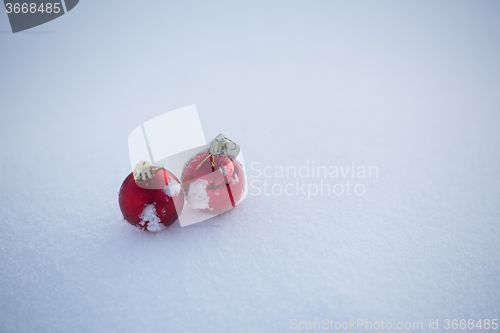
(218,147)
(144,171)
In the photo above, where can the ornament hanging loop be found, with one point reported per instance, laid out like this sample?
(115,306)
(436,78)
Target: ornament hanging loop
(218,147)
(235,145)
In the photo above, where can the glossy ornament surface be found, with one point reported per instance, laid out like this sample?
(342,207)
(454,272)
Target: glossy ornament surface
(213,181)
(151,198)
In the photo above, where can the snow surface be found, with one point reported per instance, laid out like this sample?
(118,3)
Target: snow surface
(409,87)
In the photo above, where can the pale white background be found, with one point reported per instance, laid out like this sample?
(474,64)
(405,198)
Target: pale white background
(412,87)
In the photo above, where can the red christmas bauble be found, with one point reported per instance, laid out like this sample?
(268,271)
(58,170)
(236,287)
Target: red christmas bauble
(155,203)
(213,183)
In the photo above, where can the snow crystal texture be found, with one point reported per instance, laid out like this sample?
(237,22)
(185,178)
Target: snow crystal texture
(150,219)
(197,196)
(409,87)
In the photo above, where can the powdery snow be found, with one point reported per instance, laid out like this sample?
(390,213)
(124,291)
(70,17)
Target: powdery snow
(173,188)
(197,195)
(150,219)
(337,83)
(235,179)
(223,169)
